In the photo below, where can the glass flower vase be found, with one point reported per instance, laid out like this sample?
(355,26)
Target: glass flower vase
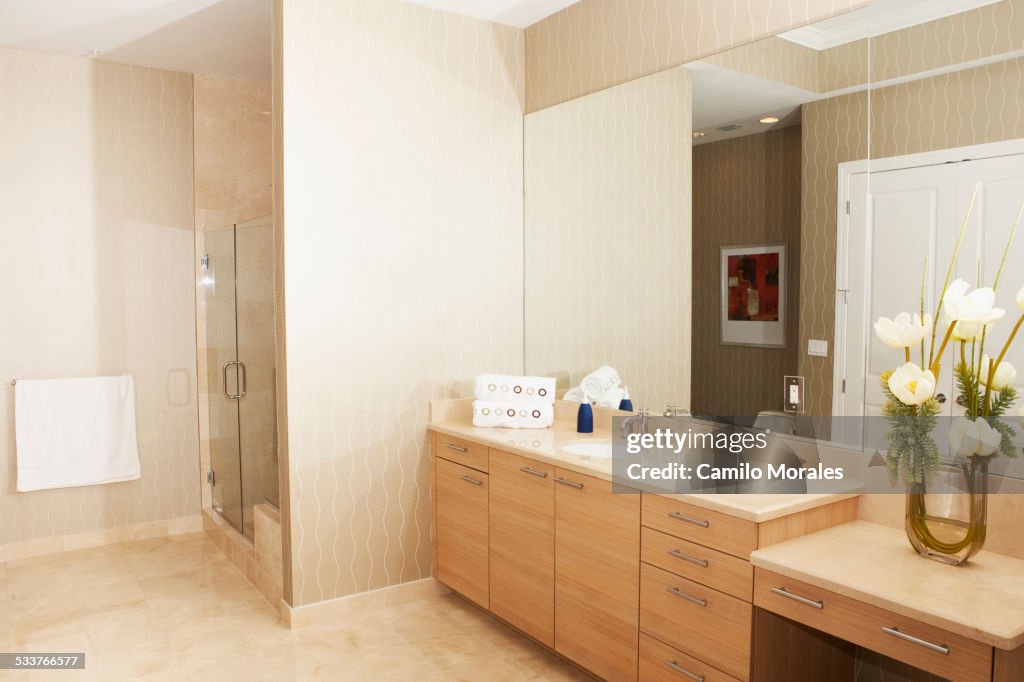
(949,524)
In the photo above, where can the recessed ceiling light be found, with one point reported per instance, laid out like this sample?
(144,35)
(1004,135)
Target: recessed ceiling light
(770,119)
(698,134)
(93,54)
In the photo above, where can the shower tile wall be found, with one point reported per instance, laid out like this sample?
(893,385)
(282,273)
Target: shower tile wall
(233,183)
(97,278)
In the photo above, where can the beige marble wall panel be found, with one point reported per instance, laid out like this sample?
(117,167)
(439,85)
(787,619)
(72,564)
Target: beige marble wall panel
(595,44)
(97,234)
(608,241)
(968,107)
(233,150)
(745,191)
(403,248)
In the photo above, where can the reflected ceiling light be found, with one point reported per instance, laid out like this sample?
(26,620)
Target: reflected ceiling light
(770,119)
(698,134)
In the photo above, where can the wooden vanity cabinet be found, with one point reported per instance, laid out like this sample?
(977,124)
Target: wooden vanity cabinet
(461,530)
(597,564)
(522,544)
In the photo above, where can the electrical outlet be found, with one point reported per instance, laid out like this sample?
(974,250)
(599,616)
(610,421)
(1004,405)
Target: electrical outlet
(794,397)
(817,348)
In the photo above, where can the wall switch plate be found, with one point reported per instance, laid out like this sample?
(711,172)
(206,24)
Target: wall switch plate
(817,348)
(794,394)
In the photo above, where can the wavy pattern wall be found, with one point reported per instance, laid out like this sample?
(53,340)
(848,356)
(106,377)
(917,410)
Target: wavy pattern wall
(403,248)
(596,44)
(963,108)
(745,191)
(97,276)
(608,237)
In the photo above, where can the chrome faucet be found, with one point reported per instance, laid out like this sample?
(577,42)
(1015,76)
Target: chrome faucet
(639,419)
(673,412)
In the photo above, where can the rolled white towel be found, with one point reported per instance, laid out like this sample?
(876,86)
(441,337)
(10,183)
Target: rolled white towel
(611,398)
(512,415)
(574,395)
(599,382)
(504,388)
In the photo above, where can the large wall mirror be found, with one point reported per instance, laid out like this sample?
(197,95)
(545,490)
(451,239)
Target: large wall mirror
(687,228)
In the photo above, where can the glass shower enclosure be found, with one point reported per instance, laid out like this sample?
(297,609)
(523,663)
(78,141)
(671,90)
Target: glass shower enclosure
(237,282)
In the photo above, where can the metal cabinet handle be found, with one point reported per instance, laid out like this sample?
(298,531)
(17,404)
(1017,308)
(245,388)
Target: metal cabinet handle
(782,592)
(456,448)
(467,479)
(559,479)
(693,600)
(683,671)
(243,381)
(534,472)
(937,648)
(689,519)
(703,563)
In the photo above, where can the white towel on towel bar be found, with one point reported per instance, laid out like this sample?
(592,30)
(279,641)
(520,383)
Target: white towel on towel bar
(75,432)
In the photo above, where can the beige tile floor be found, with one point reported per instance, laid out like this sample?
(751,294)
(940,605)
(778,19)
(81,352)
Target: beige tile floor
(177,609)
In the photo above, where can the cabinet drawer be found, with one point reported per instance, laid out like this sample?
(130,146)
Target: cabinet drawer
(710,567)
(957,658)
(671,515)
(661,663)
(461,451)
(461,529)
(697,620)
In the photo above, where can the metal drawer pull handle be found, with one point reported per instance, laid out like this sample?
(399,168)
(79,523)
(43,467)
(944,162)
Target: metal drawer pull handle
(559,479)
(683,671)
(703,563)
(467,479)
(534,472)
(694,600)
(453,446)
(937,648)
(688,519)
(782,592)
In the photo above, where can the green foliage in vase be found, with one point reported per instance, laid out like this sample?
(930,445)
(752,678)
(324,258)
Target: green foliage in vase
(912,451)
(972,397)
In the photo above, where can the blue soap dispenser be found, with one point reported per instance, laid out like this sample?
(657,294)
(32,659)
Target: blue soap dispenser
(626,404)
(585,418)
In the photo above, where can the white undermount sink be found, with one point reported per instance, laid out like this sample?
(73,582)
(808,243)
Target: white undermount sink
(597,449)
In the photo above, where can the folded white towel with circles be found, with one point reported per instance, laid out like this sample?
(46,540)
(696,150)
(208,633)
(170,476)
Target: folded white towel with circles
(599,382)
(504,388)
(513,415)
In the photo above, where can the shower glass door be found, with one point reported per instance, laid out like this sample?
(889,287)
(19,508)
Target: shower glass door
(237,277)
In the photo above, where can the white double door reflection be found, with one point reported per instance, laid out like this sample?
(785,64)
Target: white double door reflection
(896,243)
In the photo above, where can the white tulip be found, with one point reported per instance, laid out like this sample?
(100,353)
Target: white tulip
(911,385)
(1006,374)
(1020,299)
(967,331)
(977,306)
(969,438)
(903,331)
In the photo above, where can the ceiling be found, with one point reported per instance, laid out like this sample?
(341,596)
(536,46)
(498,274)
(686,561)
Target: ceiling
(519,13)
(877,19)
(228,37)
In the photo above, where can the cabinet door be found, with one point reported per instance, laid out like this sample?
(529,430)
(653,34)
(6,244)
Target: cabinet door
(597,575)
(522,532)
(461,529)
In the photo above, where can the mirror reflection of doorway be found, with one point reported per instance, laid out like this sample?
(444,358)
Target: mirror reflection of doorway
(237,282)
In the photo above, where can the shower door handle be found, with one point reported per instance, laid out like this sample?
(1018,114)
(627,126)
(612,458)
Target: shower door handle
(239,379)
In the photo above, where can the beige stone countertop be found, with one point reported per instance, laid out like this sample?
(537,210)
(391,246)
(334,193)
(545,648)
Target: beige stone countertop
(982,599)
(545,445)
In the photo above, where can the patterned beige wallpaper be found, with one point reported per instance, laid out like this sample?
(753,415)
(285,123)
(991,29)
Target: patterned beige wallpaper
(957,109)
(745,191)
(774,59)
(97,275)
(608,241)
(595,44)
(403,251)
